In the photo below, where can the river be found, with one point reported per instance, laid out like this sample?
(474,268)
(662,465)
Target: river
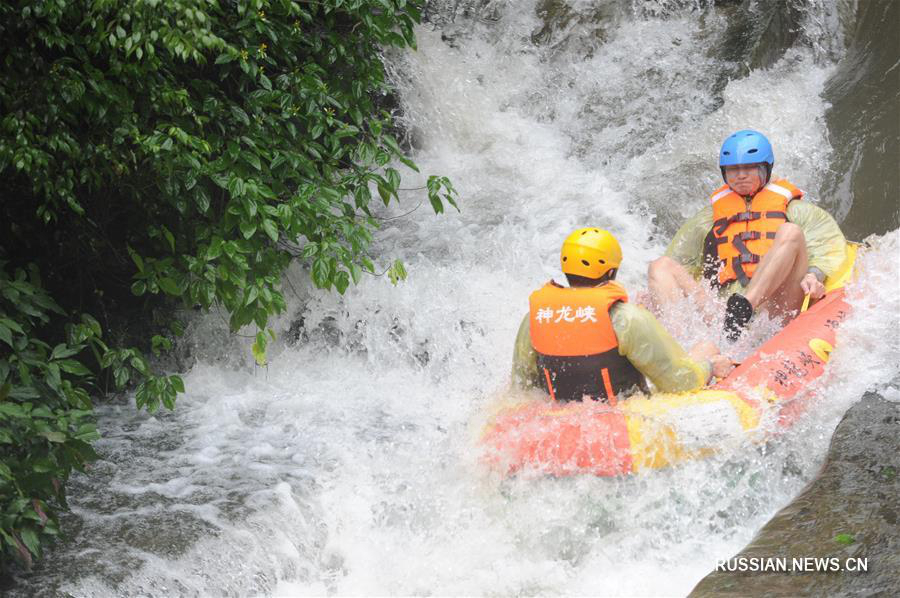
(350,464)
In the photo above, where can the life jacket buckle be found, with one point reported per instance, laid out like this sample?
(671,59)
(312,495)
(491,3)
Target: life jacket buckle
(746,216)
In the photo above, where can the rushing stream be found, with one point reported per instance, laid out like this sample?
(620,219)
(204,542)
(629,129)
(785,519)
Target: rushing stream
(350,464)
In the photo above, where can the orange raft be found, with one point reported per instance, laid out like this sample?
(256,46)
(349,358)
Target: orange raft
(652,432)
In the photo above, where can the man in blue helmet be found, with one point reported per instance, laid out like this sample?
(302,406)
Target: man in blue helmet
(755,242)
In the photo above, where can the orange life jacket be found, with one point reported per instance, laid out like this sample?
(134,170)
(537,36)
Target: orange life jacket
(743,232)
(577,348)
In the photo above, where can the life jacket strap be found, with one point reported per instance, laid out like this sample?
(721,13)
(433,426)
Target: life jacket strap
(607,386)
(745,216)
(549,384)
(747,256)
(739,271)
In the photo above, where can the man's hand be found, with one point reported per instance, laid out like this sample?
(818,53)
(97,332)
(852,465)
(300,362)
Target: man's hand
(811,286)
(721,365)
(703,351)
(707,351)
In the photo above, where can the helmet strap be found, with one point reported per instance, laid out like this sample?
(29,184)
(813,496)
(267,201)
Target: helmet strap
(584,281)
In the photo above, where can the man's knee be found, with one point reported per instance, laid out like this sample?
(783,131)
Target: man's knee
(662,267)
(790,233)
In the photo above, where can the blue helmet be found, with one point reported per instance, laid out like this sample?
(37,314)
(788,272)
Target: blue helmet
(747,147)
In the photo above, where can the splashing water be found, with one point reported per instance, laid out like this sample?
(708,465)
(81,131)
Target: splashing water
(350,464)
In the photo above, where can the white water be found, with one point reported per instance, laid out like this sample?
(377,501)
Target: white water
(350,464)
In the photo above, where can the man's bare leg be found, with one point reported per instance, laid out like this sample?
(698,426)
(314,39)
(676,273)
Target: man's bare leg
(776,281)
(669,282)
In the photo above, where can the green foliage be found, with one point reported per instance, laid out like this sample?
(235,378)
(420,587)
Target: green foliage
(46,423)
(179,151)
(845,539)
(45,413)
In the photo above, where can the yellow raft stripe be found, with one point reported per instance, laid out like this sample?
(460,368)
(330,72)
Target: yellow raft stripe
(845,271)
(654,443)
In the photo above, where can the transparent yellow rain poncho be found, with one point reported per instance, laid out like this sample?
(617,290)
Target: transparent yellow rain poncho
(825,243)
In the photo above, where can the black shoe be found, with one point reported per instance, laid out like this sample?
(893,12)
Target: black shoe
(737,313)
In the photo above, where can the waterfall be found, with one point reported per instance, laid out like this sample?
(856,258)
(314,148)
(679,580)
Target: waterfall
(350,464)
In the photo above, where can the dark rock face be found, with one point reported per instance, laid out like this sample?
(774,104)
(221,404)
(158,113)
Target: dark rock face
(759,33)
(864,124)
(849,511)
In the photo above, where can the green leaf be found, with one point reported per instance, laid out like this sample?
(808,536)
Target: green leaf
(23,392)
(385,194)
(140,364)
(93,324)
(239,114)
(270,229)
(43,466)
(309,250)
(225,58)
(12,325)
(248,228)
(393,178)
(253,160)
(397,272)
(215,248)
(121,377)
(321,273)
(259,353)
(251,295)
(436,203)
(11,410)
(169,285)
(169,238)
(73,367)
(62,350)
(845,539)
(408,162)
(53,436)
(138,261)
(342,281)
(30,539)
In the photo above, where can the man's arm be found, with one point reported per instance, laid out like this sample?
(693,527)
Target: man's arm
(686,247)
(653,351)
(524,368)
(825,243)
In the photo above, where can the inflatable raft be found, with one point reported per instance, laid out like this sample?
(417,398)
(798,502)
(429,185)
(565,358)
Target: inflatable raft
(642,433)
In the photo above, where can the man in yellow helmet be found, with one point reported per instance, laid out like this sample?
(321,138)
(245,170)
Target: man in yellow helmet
(586,340)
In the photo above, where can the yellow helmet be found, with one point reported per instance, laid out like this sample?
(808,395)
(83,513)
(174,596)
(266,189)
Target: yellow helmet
(590,252)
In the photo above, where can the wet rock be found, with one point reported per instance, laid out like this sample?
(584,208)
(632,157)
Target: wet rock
(864,124)
(849,510)
(440,13)
(760,32)
(576,29)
